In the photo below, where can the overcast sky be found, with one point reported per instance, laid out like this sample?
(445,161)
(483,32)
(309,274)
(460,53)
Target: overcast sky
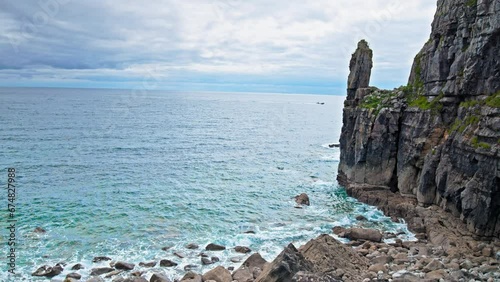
(292,46)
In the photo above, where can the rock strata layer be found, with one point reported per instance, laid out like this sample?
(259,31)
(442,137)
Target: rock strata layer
(436,141)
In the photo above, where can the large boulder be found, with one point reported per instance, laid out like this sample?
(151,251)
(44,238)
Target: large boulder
(285,266)
(218,274)
(363,234)
(48,271)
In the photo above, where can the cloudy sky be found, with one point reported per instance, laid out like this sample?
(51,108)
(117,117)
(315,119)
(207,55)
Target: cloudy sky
(291,46)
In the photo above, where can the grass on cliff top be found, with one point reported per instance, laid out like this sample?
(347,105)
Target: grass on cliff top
(471,3)
(377,100)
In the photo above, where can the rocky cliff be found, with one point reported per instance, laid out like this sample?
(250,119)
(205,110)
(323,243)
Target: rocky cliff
(436,140)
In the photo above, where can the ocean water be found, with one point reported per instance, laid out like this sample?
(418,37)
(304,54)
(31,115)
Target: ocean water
(123,174)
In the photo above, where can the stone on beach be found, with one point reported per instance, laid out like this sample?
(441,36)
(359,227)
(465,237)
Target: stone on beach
(124,265)
(218,274)
(167,263)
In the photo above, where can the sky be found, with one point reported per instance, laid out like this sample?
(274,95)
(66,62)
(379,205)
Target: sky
(279,46)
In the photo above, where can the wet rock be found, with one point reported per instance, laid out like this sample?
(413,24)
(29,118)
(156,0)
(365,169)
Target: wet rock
(179,255)
(235,259)
(190,267)
(100,270)
(159,278)
(338,230)
(215,259)
(167,263)
(325,253)
(148,264)
(113,273)
(39,230)
(218,274)
(254,261)
(363,234)
(166,248)
(192,277)
(192,246)
(124,265)
(361,218)
(214,247)
(206,261)
(99,259)
(77,266)
(48,271)
(130,279)
(241,249)
(302,199)
(74,275)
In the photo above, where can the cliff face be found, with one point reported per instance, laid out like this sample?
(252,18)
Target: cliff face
(437,139)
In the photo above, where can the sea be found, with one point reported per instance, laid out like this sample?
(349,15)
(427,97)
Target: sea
(137,175)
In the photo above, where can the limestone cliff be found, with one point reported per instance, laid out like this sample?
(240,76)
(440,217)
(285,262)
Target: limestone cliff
(437,139)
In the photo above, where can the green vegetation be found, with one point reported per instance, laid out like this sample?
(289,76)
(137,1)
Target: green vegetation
(461,125)
(377,100)
(493,100)
(423,103)
(476,144)
(469,104)
(471,3)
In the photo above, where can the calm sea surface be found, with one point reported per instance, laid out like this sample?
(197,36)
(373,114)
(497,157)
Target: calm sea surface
(120,174)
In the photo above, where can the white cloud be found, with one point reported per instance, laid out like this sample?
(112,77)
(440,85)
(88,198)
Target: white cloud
(213,37)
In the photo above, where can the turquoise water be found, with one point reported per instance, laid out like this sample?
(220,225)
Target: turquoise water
(123,174)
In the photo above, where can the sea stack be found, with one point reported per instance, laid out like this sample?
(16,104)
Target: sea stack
(435,141)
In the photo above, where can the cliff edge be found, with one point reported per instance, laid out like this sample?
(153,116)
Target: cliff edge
(435,141)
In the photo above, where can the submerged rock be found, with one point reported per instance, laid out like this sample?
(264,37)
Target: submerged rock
(101,258)
(302,199)
(148,264)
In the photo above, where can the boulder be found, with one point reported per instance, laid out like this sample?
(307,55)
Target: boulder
(48,271)
(156,277)
(100,270)
(326,254)
(99,259)
(148,264)
(241,249)
(39,230)
(192,277)
(74,275)
(124,265)
(243,275)
(302,199)
(77,266)
(363,234)
(285,266)
(218,274)
(167,263)
(214,247)
(255,260)
(206,261)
